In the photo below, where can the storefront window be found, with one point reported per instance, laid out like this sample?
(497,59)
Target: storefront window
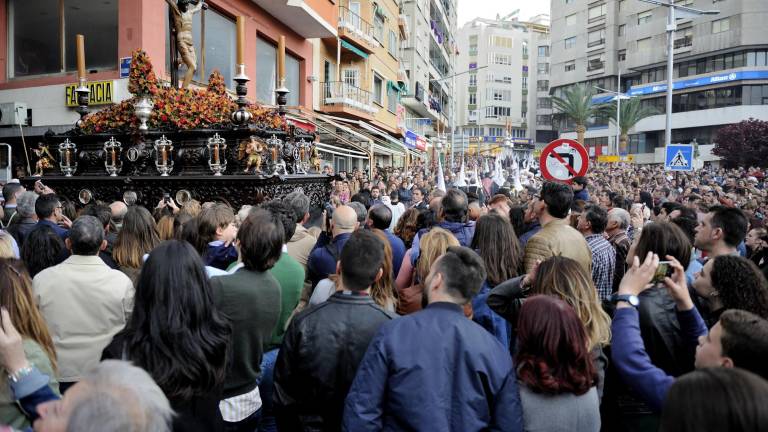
(38,28)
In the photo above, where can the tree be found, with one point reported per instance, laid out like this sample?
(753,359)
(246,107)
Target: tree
(743,144)
(576,104)
(632,111)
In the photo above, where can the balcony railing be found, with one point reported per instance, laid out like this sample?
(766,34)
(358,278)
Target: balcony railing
(684,42)
(343,93)
(356,25)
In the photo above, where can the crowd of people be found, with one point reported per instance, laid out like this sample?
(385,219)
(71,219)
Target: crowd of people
(631,299)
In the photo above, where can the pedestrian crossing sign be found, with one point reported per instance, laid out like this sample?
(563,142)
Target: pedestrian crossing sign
(678,157)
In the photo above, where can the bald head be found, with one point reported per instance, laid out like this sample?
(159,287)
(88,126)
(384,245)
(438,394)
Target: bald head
(344,220)
(119,209)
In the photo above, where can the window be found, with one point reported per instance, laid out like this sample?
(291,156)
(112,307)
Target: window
(570,66)
(525,83)
(292,79)
(543,120)
(684,38)
(644,17)
(542,85)
(570,42)
(525,50)
(42,35)
(571,19)
(544,103)
(500,41)
(391,99)
(622,56)
(595,38)
(351,76)
(721,25)
(473,98)
(500,59)
(497,111)
(378,26)
(473,79)
(644,44)
(544,51)
(378,87)
(392,48)
(266,71)
(569,1)
(498,95)
(596,62)
(621,5)
(597,12)
(495,131)
(622,29)
(542,68)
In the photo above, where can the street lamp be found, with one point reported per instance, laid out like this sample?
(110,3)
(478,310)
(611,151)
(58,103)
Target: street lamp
(685,12)
(618,96)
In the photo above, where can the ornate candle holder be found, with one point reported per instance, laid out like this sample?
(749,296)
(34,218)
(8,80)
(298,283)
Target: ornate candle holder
(113,161)
(142,109)
(282,98)
(242,116)
(278,164)
(299,153)
(164,156)
(68,157)
(83,97)
(217,159)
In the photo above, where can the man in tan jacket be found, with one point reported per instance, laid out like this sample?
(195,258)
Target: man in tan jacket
(557,237)
(84,302)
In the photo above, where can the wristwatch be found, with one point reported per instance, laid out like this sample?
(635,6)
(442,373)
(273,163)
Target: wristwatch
(629,298)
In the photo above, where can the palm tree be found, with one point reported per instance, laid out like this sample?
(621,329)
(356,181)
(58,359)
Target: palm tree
(577,105)
(632,111)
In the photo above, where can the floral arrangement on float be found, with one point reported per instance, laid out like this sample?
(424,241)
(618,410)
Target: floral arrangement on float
(159,107)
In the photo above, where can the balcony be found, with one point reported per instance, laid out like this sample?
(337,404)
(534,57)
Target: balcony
(301,16)
(596,43)
(684,44)
(345,99)
(353,28)
(595,65)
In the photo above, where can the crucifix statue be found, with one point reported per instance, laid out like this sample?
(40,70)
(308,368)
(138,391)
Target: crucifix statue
(182,12)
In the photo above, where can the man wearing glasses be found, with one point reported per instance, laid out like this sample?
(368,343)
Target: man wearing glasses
(49,212)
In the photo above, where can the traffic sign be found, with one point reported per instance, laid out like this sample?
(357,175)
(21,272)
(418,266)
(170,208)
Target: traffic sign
(678,157)
(563,159)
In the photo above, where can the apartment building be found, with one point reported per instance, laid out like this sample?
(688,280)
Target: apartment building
(508,62)
(720,68)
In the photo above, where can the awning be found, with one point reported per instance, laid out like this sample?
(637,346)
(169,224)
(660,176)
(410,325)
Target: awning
(379,137)
(339,151)
(301,123)
(354,49)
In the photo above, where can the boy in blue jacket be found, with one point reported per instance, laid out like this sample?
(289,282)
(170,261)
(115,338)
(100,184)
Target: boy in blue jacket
(217,231)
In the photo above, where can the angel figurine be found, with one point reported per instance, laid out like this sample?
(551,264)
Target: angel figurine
(253,149)
(314,158)
(44,161)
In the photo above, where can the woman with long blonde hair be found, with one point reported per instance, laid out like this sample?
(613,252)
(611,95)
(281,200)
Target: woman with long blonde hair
(17,298)
(409,281)
(383,290)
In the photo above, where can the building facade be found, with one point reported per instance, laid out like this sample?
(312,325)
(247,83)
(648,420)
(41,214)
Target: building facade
(428,59)
(720,68)
(506,58)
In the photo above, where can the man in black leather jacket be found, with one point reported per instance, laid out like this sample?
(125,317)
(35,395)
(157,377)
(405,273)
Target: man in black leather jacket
(324,345)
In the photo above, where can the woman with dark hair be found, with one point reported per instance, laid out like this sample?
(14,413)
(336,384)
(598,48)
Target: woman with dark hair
(555,369)
(42,248)
(137,237)
(731,282)
(496,243)
(177,335)
(17,298)
(517,219)
(716,399)
(407,226)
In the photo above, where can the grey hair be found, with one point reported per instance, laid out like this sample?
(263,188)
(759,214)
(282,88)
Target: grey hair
(25,204)
(360,210)
(86,235)
(122,398)
(299,202)
(621,216)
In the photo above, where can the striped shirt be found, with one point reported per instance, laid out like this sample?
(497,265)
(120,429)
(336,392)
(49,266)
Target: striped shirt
(603,264)
(240,407)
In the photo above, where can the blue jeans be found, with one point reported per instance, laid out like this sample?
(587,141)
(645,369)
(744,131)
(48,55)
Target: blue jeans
(266,388)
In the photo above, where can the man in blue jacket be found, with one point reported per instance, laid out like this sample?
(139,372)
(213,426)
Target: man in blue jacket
(452,215)
(435,369)
(738,339)
(380,217)
(322,260)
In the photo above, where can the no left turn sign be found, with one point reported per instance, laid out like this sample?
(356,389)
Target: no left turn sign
(563,159)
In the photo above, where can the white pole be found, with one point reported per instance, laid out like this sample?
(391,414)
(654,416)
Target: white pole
(670,70)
